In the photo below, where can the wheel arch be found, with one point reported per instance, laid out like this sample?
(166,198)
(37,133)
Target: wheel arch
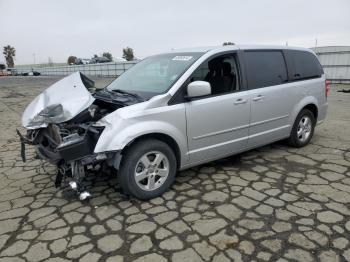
(309,103)
(170,141)
(313,108)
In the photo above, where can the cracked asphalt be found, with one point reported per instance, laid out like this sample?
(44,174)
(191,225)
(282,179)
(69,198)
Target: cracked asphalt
(275,203)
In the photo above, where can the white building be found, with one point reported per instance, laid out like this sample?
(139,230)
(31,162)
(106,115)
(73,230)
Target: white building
(336,62)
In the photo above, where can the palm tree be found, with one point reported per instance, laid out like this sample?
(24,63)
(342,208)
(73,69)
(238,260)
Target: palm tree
(9,53)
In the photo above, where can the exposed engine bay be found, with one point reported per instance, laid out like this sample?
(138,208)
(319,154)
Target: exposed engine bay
(69,144)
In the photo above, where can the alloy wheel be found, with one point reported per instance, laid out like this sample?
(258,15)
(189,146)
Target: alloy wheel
(304,129)
(151,171)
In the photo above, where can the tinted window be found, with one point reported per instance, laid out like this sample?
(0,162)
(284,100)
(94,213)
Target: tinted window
(304,65)
(265,68)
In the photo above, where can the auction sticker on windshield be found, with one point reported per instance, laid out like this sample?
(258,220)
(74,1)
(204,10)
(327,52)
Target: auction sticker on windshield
(182,58)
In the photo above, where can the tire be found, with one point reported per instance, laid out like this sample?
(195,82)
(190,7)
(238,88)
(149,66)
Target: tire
(302,131)
(148,169)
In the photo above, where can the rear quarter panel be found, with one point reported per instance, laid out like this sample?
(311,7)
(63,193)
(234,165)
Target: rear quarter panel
(314,93)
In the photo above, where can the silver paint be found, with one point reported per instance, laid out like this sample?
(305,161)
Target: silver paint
(68,96)
(204,129)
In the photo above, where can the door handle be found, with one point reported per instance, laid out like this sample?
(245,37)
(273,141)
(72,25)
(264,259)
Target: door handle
(257,98)
(240,101)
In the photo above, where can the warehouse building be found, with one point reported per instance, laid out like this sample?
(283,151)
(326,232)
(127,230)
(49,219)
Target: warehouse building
(336,63)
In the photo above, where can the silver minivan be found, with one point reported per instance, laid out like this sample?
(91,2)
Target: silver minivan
(174,111)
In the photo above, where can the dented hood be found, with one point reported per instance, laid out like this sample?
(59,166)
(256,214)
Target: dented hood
(59,103)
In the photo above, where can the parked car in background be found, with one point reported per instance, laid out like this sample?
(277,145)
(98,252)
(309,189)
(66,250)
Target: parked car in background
(177,110)
(82,61)
(3,71)
(30,73)
(12,71)
(34,73)
(119,59)
(100,59)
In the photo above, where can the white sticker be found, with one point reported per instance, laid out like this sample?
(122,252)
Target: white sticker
(182,58)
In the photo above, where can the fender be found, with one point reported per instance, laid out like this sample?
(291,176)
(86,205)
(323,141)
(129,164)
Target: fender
(123,133)
(298,107)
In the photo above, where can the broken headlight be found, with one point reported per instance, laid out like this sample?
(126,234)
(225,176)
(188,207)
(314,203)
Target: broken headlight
(50,114)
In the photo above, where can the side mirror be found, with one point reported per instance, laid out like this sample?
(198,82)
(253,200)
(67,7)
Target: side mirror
(198,88)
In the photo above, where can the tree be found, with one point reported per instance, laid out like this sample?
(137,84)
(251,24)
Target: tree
(228,43)
(9,53)
(108,55)
(71,60)
(128,53)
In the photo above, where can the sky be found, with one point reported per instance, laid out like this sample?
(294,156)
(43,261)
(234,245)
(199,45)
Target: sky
(40,29)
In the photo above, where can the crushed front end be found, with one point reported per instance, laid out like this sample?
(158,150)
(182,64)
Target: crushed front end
(62,125)
(69,146)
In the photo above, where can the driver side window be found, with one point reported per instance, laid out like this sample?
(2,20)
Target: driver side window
(221,72)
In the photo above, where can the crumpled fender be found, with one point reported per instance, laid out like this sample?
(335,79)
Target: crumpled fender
(59,103)
(126,124)
(110,140)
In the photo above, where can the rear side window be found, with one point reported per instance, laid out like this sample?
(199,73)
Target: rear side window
(265,68)
(303,65)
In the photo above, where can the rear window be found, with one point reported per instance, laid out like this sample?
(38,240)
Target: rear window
(265,68)
(304,65)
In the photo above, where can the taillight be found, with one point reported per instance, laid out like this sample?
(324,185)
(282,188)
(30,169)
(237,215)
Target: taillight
(326,88)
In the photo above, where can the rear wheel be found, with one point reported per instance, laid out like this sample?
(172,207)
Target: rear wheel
(303,129)
(148,169)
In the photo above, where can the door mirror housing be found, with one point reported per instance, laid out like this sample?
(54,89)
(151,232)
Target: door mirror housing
(198,88)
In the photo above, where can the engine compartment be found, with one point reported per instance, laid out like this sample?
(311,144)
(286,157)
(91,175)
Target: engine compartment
(76,138)
(70,145)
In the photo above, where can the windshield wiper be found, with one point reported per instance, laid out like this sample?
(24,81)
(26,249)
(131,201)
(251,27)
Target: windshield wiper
(128,93)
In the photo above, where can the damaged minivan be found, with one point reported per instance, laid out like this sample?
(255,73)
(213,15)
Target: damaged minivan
(176,110)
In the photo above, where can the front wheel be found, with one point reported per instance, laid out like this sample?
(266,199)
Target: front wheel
(303,129)
(148,169)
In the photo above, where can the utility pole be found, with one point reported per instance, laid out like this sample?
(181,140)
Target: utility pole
(34,58)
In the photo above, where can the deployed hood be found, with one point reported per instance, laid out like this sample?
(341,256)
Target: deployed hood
(60,102)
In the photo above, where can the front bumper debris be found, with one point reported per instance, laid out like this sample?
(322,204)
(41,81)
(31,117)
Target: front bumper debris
(23,141)
(73,154)
(23,146)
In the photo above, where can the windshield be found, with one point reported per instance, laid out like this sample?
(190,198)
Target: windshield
(154,75)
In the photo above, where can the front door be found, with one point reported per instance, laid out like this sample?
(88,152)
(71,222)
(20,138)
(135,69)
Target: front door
(217,125)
